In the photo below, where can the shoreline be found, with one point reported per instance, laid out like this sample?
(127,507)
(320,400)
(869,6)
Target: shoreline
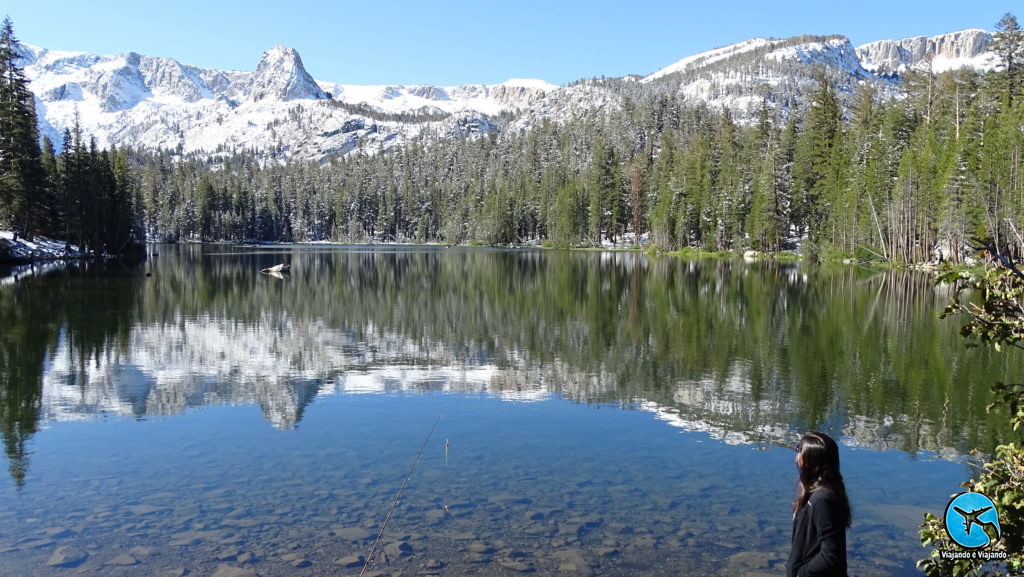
(42,250)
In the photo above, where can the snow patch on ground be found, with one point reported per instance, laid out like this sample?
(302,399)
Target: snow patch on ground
(39,248)
(710,57)
(38,256)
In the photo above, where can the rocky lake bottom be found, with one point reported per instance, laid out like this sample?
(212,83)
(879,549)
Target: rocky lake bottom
(546,488)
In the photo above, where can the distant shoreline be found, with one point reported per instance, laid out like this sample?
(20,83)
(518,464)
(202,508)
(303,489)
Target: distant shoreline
(40,249)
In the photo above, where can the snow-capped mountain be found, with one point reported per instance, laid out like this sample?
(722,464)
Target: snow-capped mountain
(967,48)
(281,76)
(743,76)
(280,110)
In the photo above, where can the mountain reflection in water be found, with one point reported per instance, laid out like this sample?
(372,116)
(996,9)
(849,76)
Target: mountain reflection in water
(749,352)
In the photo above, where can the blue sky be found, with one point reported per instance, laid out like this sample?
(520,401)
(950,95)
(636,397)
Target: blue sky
(463,42)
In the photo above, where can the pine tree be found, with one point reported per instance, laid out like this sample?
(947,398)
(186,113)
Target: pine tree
(604,190)
(813,156)
(638,195)
(52,225)
(663,213)
(22,178)
(1008,44)
(764,221)
(693,212)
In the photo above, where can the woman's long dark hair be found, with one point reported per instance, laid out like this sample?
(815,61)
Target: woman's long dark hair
(819,469)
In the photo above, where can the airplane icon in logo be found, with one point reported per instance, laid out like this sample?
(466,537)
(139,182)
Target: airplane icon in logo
(971,519)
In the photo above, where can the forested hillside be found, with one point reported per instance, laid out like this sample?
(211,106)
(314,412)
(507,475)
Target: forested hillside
(903,179)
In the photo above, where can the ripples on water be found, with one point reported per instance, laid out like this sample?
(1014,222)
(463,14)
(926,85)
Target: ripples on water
(604,414)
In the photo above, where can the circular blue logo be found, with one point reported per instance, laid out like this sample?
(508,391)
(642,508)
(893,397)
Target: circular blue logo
(972,521)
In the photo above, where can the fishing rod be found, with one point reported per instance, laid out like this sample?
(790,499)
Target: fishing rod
(391,510)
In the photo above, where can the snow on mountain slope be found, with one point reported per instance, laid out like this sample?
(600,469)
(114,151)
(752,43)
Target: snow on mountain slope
(281,76)
(709,57)
(422,98)
(279,110)
(966,48)
(744,76)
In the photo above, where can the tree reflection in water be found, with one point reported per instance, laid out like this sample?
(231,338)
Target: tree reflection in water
(745,351)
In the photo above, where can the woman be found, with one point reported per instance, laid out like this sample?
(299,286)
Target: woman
(821,511)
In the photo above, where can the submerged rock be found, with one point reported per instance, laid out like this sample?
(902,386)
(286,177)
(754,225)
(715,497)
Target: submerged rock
(124,560)
(232,571)
(67,556)
(398,549)
(351,561)
(517,566)
(59,532)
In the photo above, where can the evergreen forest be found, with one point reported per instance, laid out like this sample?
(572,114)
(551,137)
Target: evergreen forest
(905,179)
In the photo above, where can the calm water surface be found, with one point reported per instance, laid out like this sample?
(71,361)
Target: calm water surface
(599,413)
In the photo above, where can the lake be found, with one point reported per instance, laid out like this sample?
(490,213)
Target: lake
(558,413)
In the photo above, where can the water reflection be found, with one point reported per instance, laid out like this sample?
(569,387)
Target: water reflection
(748,352)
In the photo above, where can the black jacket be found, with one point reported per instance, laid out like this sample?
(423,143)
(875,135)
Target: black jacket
(819,538)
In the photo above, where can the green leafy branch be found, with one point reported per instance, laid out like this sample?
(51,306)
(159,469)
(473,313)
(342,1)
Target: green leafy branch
(996,321)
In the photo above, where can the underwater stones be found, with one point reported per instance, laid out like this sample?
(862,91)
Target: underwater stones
(232,571)
(197,536)
(67,556)
(229,554)
(571,556)
(435,516)
(538,530)
(124,560)
(148,509)
(748,561)
(621,528)
(607,551)
(349,533)
(351,561)
(480,547)
(506,499)
(516,565)
(398,549)
(241,523)
(515,554)
(59,532)
(296,560)
(34,543)
(587,521)
(140,552)
(645,542)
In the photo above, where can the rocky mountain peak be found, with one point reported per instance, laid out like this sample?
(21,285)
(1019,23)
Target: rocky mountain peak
(280,75)
(966,48)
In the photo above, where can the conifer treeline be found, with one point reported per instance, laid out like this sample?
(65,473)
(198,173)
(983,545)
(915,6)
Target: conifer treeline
(900,180)
(83,195)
